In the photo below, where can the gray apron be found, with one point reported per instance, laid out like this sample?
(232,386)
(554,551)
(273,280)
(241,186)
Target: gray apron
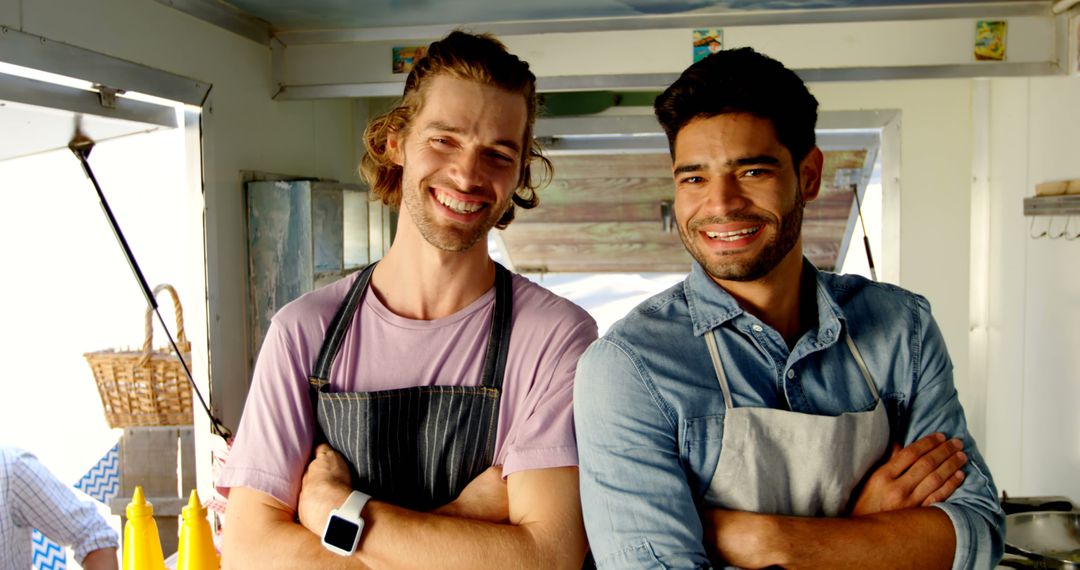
(790,463)
(413,447)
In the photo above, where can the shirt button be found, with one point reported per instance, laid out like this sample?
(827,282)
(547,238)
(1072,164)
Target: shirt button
(790,374)
(757,328)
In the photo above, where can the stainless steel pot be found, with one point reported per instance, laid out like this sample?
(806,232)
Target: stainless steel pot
(1051,538)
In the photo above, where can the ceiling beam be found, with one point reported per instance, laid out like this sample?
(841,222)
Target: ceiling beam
(706,18)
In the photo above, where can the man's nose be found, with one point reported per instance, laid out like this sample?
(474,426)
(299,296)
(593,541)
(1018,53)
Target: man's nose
(725,195)
(466,170)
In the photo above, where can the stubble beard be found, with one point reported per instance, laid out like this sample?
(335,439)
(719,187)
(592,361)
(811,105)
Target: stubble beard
(445,236)
(756,267)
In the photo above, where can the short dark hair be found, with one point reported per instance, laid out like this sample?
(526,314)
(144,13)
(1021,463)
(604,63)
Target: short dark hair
(475,57)
(742,81)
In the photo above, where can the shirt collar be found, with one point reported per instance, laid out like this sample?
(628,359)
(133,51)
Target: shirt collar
(830,316)
(710,305)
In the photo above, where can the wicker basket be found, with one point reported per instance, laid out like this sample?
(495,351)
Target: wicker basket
(147,387)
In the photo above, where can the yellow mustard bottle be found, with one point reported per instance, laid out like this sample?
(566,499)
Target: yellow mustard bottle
(142,547)
(196,550)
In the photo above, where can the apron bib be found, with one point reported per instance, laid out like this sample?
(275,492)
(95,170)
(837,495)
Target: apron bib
(413,447)
(790,463)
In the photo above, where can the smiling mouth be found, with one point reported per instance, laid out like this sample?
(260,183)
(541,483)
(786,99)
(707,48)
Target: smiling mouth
(733,236)
(458,206)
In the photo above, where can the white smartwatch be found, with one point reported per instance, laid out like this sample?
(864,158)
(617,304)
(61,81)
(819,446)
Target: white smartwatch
(344,526)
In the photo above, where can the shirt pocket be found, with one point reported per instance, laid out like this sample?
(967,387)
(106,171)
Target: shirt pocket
(700,448)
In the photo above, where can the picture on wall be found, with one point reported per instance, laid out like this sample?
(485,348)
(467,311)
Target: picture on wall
(707,42)
(406,56)
(990,38)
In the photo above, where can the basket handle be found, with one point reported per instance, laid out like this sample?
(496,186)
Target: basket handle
(181,338)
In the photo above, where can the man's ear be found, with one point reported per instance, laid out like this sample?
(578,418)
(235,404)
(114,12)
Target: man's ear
(810,174)
(394,142)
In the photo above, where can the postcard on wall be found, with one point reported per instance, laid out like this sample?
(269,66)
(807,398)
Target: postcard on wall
(707,42)
(407,56)
(990,38)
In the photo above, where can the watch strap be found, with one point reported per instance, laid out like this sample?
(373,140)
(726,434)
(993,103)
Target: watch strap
(353,506)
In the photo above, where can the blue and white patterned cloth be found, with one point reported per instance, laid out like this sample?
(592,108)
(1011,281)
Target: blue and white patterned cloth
(47,554)
(102,481)
(32,498)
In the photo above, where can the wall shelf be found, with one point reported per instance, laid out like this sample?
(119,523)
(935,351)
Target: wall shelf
(1065,205)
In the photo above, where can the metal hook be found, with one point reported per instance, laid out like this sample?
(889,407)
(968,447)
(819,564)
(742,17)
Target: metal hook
(1031,226)
(1072,237)
(1060,234)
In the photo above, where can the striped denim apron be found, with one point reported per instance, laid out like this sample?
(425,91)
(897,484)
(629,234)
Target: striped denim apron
(413,447)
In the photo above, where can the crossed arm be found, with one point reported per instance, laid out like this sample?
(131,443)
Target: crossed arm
(890,523)
(638,490)
(533,520)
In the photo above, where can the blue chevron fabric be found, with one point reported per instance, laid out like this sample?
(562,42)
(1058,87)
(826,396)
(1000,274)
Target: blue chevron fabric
(102,482)
(47,554)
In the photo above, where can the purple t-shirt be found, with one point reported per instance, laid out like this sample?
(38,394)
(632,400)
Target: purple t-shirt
(383,351)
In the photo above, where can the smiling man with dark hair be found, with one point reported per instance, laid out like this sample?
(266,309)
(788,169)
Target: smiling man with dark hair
(745,416)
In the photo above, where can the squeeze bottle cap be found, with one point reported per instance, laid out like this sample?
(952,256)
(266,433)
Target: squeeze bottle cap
(139,507)
(194,510)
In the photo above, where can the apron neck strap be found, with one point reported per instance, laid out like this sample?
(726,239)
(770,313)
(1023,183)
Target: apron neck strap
(862,365)
(714,353)
(499,338)
(339,325)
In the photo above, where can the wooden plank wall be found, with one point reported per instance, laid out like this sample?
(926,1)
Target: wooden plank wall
(601,213)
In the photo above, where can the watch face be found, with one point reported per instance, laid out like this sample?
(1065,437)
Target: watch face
(341,533)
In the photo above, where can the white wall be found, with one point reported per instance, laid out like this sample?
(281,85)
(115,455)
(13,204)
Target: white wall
(1032,291)
(935,170)
(1015,352)
(244,129)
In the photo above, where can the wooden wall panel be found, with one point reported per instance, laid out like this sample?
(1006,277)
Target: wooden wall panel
(601,213)
(598,232)
(614,190)
(613,166)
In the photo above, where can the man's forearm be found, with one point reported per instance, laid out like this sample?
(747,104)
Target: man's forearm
(399,538)
(910,538)
(101,559)
(262,534)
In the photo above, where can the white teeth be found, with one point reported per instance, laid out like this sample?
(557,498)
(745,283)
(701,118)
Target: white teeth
(458,206)
(732,236)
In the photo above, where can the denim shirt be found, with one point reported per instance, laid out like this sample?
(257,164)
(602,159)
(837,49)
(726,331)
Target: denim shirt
(650,414)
